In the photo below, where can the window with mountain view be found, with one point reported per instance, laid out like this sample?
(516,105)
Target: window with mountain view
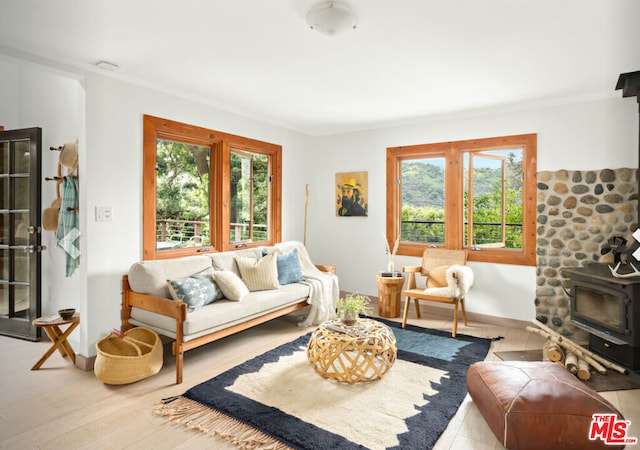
(477,194)
(493,198)
(207,191)
(423,200)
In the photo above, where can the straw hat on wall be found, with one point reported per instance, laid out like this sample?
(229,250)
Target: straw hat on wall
(50,216)
(69,156)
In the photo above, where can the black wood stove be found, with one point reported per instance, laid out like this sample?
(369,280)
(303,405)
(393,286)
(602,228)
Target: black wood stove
(607,304)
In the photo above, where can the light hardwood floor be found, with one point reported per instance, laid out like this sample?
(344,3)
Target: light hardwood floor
(62,407)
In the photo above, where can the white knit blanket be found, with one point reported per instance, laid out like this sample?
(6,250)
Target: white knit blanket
(323,286)
(459,281)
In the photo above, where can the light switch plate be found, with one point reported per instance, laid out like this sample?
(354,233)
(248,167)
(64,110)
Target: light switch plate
(104,214)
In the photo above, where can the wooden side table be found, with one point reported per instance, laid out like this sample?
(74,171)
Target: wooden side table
(389,289)
(51,325)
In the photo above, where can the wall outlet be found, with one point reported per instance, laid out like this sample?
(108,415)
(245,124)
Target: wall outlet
(104,214)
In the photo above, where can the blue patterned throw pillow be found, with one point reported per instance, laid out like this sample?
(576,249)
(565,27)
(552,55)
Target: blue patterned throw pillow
(288,267)
(195,291)
(208,275)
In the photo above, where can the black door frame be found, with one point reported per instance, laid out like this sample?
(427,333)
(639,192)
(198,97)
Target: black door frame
(12,325)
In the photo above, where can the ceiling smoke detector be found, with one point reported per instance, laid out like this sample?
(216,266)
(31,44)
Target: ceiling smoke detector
(332,18)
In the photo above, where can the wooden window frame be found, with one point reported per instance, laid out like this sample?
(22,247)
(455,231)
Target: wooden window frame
(220,143)
(454,194)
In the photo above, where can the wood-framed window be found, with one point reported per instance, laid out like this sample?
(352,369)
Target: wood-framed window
(476,194)
(207,191)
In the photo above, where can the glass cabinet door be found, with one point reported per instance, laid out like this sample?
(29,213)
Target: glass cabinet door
(20,244)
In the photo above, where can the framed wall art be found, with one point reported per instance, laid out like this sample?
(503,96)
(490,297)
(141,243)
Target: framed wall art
(351,194)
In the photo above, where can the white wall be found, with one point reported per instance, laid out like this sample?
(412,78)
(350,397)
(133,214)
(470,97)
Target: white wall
(587,135)
(36,96)
(581,136)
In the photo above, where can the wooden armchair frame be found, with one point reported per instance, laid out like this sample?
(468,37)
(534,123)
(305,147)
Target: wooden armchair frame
(432,258)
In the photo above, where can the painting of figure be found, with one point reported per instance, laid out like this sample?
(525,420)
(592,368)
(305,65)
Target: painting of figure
(351,194)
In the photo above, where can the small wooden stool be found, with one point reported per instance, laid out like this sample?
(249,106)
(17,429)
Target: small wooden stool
(51,325)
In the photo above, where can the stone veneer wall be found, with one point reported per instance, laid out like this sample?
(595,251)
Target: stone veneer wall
(577,212)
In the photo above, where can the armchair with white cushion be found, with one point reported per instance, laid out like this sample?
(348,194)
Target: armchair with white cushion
(448,281)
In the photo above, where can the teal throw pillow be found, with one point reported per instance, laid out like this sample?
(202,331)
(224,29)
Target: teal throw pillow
(288,267)
(195,291)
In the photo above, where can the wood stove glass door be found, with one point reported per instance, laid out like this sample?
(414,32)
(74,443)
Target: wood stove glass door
(20,231)
(601,305)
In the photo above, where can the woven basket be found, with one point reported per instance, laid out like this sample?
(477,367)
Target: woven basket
(128,357)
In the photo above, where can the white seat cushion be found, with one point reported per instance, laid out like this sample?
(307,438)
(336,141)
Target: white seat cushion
(223,313)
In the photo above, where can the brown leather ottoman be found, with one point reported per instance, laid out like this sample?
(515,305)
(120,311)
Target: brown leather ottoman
(537,405)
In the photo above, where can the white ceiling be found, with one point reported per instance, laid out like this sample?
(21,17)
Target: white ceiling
(407,60)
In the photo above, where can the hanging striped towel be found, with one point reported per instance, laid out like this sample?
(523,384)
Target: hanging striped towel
(68,232)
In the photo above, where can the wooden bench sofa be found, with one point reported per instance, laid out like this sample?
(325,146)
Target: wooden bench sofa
(147,300)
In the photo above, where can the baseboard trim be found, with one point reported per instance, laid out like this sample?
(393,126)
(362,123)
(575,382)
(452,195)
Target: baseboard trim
(446,311)
(85,363)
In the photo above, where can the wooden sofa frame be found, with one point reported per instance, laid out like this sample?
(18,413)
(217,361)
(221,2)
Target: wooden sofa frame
(177,310)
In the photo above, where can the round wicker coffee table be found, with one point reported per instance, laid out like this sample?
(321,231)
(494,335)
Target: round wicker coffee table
(350,354)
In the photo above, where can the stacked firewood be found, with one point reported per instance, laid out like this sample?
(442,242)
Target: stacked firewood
(577,359)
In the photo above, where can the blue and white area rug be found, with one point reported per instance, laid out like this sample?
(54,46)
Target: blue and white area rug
(277,401)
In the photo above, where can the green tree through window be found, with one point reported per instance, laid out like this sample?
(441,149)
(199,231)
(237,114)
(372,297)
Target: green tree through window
(493,179)
(249,196)
(207,191)
(182,195)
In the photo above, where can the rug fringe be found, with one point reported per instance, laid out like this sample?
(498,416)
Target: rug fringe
(194,415)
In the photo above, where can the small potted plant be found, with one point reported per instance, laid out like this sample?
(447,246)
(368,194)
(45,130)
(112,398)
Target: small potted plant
(350,306)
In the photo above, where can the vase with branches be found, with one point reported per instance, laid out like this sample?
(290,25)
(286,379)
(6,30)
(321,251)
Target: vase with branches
(391,253)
